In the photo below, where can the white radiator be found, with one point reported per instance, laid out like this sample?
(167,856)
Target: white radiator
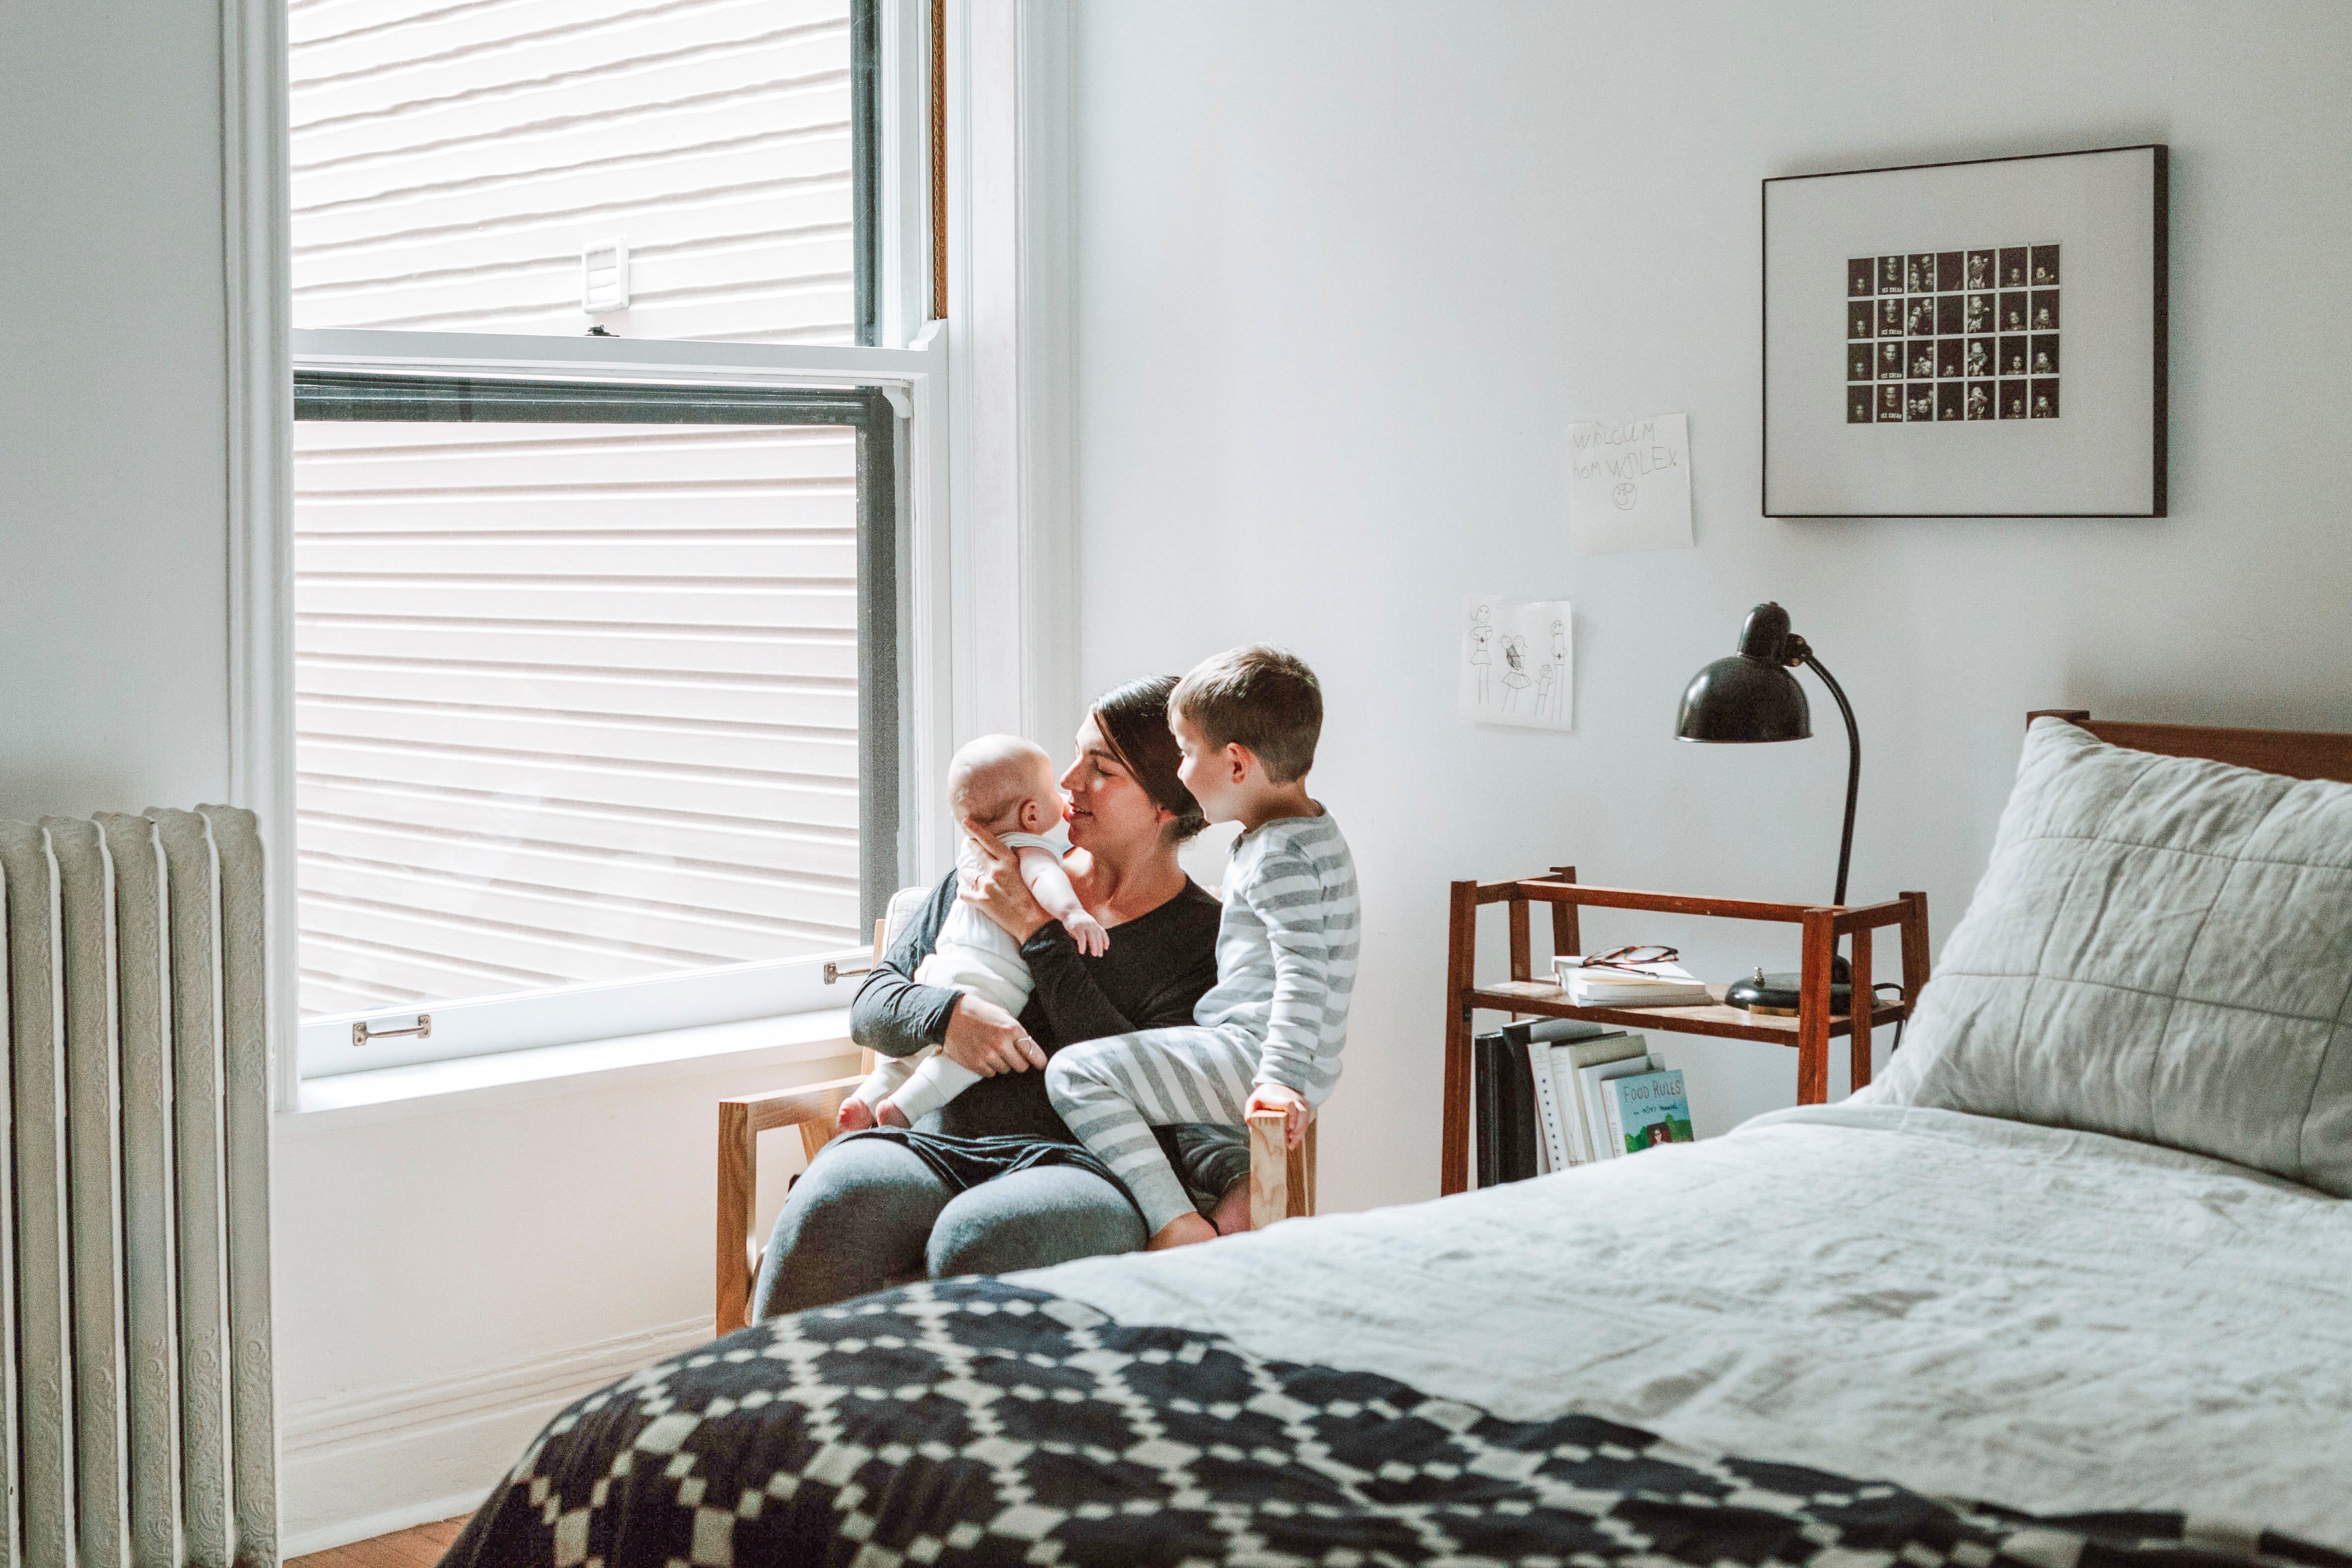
(138,1418)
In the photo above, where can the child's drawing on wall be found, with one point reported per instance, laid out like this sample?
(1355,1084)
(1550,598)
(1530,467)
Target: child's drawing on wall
(1482,646)
(1515,662)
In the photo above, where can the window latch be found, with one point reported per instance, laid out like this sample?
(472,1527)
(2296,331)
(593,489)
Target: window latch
(834,973)
(421,1029)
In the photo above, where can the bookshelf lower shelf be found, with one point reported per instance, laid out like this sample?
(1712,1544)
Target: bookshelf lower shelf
(1824,927)
(1545,1000)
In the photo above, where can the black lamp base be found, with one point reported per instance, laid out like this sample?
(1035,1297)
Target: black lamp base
(1776,996)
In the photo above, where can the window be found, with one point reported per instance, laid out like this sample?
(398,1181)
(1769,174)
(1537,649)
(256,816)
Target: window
(698,169)
(596,652)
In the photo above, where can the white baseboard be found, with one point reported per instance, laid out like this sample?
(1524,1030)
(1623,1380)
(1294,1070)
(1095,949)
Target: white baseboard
(377,1460)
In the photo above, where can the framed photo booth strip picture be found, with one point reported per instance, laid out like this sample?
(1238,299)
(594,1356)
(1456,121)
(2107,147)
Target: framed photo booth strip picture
(2001,325)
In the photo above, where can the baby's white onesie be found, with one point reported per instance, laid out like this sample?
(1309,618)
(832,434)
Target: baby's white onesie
(972,955)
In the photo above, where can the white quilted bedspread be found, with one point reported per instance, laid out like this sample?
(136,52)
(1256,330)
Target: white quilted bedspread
(2054,1321)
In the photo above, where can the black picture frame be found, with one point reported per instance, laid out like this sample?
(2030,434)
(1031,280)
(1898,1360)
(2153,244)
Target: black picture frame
(2099,451)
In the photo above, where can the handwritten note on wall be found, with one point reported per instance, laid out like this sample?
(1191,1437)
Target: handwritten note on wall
(1518,662)
(1629,486)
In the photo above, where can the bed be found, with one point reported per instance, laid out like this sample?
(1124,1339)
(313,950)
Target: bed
(2071,1284)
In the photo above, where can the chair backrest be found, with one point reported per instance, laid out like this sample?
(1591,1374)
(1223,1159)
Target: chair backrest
(904,906)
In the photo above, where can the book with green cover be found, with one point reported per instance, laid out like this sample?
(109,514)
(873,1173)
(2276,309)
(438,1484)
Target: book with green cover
(1647,1108)
(1600,1143)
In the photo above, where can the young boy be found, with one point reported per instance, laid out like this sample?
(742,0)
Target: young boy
(1006,784)
(1268,1034)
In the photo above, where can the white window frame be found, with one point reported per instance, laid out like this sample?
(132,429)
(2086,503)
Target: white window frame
(988,617)
(333,1044)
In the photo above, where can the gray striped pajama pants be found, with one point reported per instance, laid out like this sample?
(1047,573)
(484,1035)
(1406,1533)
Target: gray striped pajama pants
(1113,1091)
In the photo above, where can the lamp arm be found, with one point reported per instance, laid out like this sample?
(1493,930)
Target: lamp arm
(1852,770)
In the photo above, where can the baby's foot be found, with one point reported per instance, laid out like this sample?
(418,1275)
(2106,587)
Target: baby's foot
(889,1115)
(854,1116)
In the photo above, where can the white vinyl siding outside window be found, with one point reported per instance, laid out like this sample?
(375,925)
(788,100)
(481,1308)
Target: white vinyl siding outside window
(452,161)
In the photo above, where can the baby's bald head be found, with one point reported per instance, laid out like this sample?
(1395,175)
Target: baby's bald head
(995,779)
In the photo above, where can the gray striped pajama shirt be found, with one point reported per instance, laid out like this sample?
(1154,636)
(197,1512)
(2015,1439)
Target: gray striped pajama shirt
(1278,1013)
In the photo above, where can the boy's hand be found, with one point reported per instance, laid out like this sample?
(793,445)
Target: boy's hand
(1290,1102)
(1089,933)
(854,1116)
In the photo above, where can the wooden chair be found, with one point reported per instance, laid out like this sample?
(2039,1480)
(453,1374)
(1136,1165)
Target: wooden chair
(1282,1181)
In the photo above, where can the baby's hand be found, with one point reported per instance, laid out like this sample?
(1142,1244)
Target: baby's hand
(1089,933)
(854,1116)
(889,1115)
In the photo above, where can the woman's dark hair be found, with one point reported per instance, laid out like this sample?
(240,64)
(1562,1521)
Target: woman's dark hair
(1134,719)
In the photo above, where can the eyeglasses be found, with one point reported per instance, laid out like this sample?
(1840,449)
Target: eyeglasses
(1632,957)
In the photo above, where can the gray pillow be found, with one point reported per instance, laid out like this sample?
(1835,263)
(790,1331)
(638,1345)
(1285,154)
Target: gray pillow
(2160,949)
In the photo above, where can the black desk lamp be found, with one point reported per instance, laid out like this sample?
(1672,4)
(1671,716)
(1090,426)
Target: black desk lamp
(1751,696)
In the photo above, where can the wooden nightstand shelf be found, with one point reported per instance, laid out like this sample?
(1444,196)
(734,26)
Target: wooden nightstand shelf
(1809,1032)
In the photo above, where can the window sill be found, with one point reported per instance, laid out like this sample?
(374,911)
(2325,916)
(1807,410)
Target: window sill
(466,1082)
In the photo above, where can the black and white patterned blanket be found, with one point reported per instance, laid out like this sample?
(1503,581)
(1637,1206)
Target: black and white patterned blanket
(976,1422)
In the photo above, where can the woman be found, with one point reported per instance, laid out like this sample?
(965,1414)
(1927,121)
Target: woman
(993,1181)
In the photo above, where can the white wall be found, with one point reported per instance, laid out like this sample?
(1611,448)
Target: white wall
(113,433)
(1347,270)
(450,1275)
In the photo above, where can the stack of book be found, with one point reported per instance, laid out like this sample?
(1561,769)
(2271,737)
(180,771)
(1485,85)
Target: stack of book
(1633,985)
(1563,1092)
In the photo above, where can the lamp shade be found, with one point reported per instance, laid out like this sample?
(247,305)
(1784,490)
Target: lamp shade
(1751,696)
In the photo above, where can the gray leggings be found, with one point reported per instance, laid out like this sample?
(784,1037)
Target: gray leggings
(869,1213)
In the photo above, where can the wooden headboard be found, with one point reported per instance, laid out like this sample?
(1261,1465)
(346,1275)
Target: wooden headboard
(2298,753)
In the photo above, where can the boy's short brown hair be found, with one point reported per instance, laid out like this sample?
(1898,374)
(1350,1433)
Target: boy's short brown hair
(1259,697)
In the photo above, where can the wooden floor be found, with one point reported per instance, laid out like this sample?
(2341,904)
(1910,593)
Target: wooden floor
(419,1548)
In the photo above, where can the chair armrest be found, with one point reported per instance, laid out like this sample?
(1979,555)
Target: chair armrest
(1282,1180)
(1269,1177)
(792,1107)
(741,1120)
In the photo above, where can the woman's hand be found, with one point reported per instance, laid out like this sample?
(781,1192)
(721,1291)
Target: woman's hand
(989,1041)
(1001,893)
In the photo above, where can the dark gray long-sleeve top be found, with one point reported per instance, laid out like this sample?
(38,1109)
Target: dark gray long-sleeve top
(1157,967)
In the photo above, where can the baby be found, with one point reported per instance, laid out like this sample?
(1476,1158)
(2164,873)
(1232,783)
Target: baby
(1007,785)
